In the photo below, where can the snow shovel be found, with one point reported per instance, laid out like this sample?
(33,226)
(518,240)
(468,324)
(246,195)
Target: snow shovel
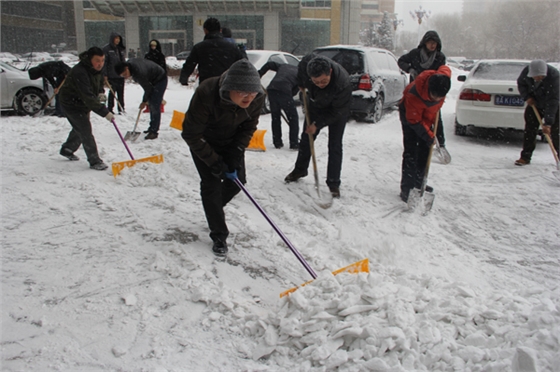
(133,136)
(118,167)
(115,96)
(442,154)
(41,112)
(549,140)
(357,267)
(322,203)
(420,196)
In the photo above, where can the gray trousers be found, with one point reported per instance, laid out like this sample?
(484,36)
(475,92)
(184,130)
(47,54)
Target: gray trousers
(81,134)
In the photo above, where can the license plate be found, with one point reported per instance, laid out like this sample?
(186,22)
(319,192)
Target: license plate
(509,100)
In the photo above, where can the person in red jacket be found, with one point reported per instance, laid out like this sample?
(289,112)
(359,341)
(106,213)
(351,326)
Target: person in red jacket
(422,99)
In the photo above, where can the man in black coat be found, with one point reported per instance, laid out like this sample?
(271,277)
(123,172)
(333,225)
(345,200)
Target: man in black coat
(153,79)
(114,54)
(54,72)
(427,56)
(80,95)
(539,86)
(330,96)
(281,91)
(155,54)
(213,55)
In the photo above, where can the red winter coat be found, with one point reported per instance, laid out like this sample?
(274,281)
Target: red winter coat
(417,105)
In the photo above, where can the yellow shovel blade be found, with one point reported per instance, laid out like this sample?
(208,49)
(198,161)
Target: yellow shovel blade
(177,120)
(257,141)
(119,166)
(355,268)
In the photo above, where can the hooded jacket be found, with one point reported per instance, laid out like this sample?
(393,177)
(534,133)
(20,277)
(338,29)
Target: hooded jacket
(331,104)
(213,55)
(50,70)
(546,94)
(82,87)
(147,74)
(412,59)
(113,55)
(155,55)
(417,109)
(213,122)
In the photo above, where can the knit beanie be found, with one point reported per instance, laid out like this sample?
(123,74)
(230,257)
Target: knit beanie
(242,76)
(439,85)
(537,68)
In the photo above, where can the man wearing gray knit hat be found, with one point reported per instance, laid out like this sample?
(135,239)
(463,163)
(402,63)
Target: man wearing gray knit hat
(538,84)
(219,124)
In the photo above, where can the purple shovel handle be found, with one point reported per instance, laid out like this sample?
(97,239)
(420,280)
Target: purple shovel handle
(122,139)
(277,229)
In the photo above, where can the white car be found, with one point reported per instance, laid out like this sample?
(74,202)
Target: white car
(8,57)
(489,97)
(259,57)
(19,92)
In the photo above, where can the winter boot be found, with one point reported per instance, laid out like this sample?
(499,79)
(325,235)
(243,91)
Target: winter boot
(522,162)
(219,248)
(294,176)
(99,166)
(69,155)
(335,191)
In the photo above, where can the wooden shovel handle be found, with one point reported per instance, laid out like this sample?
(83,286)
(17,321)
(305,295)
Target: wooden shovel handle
(547,137)
(52,97)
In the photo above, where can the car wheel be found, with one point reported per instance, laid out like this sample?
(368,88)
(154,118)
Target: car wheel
(376,111)
(460,130)
(266,106)
(30,101)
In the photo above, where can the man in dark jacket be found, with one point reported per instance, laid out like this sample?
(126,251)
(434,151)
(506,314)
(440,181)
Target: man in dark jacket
(427,56)
(539,86)
(80,95)
(54,72)
(213,55)
(114,53)
(219,124)
(155,54)
(422,99)
(329,95)
(281,91)
(153,79)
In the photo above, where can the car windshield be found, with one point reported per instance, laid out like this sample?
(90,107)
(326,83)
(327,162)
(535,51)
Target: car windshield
(253,57)
(499,71)
(351,60)
(9,67)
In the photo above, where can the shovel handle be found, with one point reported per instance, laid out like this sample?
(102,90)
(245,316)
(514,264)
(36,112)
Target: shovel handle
(277,229)
(122,139)
(114,95)
(427,170)
(311,144)
(548,139)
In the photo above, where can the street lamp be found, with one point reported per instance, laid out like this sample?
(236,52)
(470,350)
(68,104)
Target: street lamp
(420,14)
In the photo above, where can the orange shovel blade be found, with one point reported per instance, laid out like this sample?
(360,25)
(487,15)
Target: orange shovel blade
(177,120)
(119,166)
(355,268)
(257,141)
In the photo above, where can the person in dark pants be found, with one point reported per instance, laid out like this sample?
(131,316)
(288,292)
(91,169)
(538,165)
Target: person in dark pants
(329,95)
(54,72)
(422,99)
(281,91)
(539,86)
(155,54)
(114,54)
(153,79)
(427,56)
(81,94)
(213,55)
(219,124)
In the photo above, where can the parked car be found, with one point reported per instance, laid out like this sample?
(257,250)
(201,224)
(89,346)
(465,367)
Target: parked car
(259,57)
(183,55)
(36,57)
(489,97)
(454,61)
(8,57)
(19,92)
(377,81)
(67,58)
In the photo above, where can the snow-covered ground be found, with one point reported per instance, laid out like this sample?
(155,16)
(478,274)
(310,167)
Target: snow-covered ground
(117,274)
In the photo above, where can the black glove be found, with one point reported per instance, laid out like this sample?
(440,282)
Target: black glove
(233,156)
(219,169)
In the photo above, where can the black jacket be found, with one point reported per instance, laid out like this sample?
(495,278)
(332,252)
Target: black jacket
(214,123)
(147,74)
(213,55)
(81,88)
(331,104)
(411,60)
(155,55)
(113,55)
(285,79)
(545,94)
(53,71)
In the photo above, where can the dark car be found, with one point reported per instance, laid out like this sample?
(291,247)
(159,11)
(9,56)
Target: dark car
(377,81)
(183,55)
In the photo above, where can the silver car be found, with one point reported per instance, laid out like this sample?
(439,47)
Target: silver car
(19,92)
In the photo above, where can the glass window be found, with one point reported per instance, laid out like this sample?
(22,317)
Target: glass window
(277,58)
(380,60)
(393,65)
(291,60)
(315,3)
(351,60)
(499,71)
